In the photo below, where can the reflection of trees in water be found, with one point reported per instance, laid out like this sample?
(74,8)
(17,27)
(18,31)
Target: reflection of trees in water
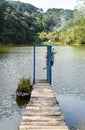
(73,128)
(22,100)
(3,55)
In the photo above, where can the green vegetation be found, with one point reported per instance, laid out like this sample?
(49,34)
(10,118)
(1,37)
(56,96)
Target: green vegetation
(24,85)
(17,22)
(22,23)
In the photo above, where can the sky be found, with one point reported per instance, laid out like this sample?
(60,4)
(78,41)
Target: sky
(45,4)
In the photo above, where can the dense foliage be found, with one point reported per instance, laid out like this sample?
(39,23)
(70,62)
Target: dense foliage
(27,24)
(17,22)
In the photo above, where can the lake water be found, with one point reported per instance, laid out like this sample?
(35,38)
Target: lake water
(68,82)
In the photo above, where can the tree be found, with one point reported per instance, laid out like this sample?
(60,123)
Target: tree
(80,8)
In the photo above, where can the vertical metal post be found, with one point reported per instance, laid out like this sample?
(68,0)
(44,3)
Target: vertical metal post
(34,67)
(49,63)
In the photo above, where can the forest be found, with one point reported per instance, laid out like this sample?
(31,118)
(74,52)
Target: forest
(22,23)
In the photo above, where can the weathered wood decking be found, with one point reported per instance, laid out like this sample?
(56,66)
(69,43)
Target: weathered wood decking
(43,112)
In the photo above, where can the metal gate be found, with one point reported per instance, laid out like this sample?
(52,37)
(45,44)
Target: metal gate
(48,63)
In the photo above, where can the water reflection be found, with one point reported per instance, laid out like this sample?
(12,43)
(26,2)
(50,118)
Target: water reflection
(14,65)
(69,84)
(74,111)
(68,72)
(22,100)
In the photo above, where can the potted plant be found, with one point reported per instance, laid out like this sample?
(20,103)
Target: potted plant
(24,87)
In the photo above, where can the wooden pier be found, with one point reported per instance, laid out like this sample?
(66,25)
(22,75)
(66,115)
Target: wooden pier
(43,112)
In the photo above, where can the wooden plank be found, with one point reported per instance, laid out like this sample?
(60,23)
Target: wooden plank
(42,94)
(43,99)
(44,127)
(41,81)
(38,122)
(48,104)
(43,102)
(31,108)
(43,118)
(43,123)
(42,113)
(43,90)
(27,128)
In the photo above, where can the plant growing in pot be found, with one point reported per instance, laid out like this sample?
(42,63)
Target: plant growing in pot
(24,87)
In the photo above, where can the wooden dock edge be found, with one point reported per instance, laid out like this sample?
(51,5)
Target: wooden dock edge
(43,111)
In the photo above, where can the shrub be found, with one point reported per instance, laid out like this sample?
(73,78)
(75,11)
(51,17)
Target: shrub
(24,85)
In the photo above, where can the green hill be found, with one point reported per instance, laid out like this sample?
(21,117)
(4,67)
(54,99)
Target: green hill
(22,23)
(57,18)
(17,22)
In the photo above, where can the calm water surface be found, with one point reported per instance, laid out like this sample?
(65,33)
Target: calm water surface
(68,83)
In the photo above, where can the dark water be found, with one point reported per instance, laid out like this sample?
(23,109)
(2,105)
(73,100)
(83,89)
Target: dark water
(68,83)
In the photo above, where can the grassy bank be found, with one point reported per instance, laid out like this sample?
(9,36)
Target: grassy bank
(7,48)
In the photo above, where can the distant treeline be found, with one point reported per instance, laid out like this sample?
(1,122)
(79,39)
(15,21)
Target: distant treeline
(22,23)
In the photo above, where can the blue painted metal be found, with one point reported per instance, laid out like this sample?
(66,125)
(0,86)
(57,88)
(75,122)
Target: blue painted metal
(49,62)
(34,67)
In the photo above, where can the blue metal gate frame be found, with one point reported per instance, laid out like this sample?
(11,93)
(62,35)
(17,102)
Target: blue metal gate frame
(49,62)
